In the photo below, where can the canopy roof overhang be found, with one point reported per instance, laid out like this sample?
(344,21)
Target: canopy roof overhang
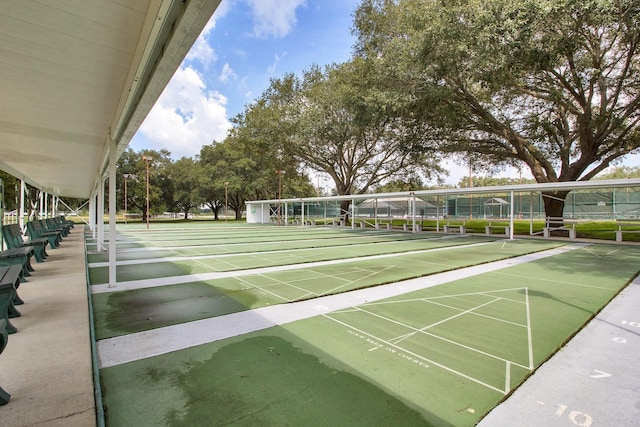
(78,77)
(498,189)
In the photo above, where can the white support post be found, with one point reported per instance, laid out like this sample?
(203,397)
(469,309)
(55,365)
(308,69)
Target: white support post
(100,216)
(286,214)
(44,207)
(38,206)
(303,212)
(413,212)
(531,214)
(375,212)
(511,219)
(92,214)
(112,215)
(23,190)
(353,214)
(437,214)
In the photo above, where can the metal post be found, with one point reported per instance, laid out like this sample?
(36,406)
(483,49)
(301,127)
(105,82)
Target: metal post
(279,172)
(353,214)
(413,212)
(226,202)
(511,219)
(147,159)
(437,214)
(100,215)
(23,190)
(531,215)
(112,215)
(126,175)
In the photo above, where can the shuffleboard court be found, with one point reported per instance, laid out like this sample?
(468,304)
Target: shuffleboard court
(443,355)
(189,262)
(156,304)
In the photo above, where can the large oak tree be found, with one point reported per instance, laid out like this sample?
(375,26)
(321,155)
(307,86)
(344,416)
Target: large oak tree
(553,84)
(334,120)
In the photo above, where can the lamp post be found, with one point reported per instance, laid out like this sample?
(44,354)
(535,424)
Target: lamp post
(470,185)
(319,189)
(147,159)
(226,203)
(279,172)
(126,175)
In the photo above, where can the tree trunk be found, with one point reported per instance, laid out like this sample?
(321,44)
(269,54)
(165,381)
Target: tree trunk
(554,207)
(344,210)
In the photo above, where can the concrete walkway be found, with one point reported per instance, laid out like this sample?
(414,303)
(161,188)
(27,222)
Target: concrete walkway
(46,366)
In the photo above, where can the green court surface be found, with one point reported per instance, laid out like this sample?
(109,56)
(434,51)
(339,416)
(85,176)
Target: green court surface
(441,356)
(122,312)
(237,256)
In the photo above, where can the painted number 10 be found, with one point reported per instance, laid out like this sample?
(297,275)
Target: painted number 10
(576,417)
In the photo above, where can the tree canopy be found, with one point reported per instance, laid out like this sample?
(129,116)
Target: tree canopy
(551,84)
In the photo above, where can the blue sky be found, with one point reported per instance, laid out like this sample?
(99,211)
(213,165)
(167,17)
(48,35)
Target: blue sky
(245,44)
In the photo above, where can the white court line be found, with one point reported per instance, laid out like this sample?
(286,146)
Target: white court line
(188,278)
(357,280)
(407,351)
(561,282)
(423,331)
(462,313)
(251,286)
(271,242)
(289,285)
(141,345)
(529,336)
(102,264)
(466,294)
(482,315)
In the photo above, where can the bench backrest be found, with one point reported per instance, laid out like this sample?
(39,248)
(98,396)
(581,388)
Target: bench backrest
(12,235)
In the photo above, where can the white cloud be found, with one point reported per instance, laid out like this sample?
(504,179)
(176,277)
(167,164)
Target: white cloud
(201,50)
(272,68)
(227,73)
(186,116)
(274,17)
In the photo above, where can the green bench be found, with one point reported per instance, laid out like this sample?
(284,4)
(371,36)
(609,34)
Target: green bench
(12,235)
(67,222)
(18,256)
(4,338)
(57,224)
(37,229)
(9,283)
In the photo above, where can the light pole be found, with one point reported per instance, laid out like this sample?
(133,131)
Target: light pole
(470,185)
(324,179)
(126,175)
(280,172)
(226,203)
(147,159)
